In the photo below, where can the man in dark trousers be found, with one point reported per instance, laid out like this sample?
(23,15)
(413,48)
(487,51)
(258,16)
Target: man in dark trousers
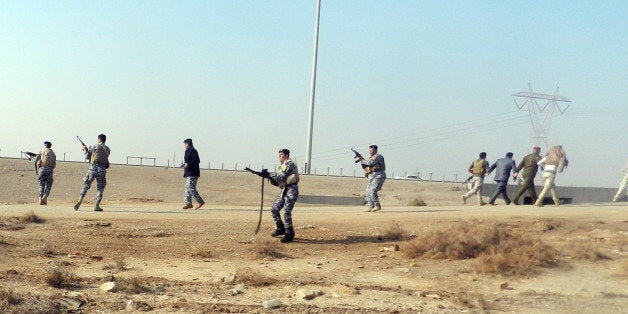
(530,167)
(503,167)
(191,171)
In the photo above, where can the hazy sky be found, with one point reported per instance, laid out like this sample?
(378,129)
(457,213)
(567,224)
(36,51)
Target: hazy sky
(430,82)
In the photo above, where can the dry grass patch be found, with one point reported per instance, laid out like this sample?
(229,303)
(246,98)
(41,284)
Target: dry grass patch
(417,201)
(118,263)
(58,278)
(266,248)
(31,217)
(14,302)
(579,250)
(499,248)
(8,297)
(394,232)
(253,278)
(202,254)
(46,250)
(134,285)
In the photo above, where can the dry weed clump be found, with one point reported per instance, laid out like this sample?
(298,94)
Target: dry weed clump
(203,254)
(58,278)
(579,250)
(46,250)
(394,232)
(118,263)
(265,247)
(14,302)
(134,284)
(31,217)
(8,297)
(253,278)
(417,201)
(499,248)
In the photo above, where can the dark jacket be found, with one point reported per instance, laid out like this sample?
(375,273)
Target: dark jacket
(504,166)
(191,158)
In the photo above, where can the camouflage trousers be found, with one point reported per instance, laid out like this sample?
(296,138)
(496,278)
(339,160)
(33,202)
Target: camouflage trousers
(373,185)
(98,173)
(45,181)
(190,190)
(285,200)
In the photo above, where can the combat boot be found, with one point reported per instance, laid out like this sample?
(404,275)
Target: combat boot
(78,204)
(289,236)
(97,206)
(44,200)
(41,200)
(279,230)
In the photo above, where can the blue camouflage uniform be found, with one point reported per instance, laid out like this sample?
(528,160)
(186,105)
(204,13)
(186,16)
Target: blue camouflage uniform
(287,178)
(46,163)
(375,169)
(98,155)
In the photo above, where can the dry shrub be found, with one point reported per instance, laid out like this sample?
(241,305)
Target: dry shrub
(161,234)
(417,202)
(202,254)
(13,302)
(343,289)
(265,247)
(134,285)
(394,232)
(31,217)
(45,250)
(8,297)
(250,277)
(499,248)
(547,224)
(585,251)
(59,279)
(472,301)
(118,263)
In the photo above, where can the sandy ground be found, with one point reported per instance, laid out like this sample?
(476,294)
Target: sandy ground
(165,259)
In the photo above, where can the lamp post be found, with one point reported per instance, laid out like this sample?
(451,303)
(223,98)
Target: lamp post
(308,158)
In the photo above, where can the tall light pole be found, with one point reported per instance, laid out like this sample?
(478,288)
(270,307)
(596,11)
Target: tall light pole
(308,158)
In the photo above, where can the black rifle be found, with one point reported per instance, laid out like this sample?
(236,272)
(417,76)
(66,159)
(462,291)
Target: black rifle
(82,142)
(264,174)
(34,158)
(357,155)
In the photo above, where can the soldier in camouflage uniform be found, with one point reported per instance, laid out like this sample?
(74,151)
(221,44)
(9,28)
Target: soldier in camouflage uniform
(46,164)
(286,178)
(375,170)
(98,156)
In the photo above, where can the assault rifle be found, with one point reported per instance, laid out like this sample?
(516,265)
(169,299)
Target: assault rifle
(357,155)
(34,158)
(82,142)
(264,174)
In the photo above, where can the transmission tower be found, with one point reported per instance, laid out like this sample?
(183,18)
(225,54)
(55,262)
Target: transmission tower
(541,115)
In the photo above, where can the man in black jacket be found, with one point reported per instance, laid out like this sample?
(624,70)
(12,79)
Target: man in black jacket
(191,171)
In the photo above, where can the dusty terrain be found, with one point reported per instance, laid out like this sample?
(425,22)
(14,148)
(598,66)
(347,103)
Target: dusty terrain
(165,259)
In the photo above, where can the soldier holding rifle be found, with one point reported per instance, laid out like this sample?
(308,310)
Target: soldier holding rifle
(375,170)
(98,156)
